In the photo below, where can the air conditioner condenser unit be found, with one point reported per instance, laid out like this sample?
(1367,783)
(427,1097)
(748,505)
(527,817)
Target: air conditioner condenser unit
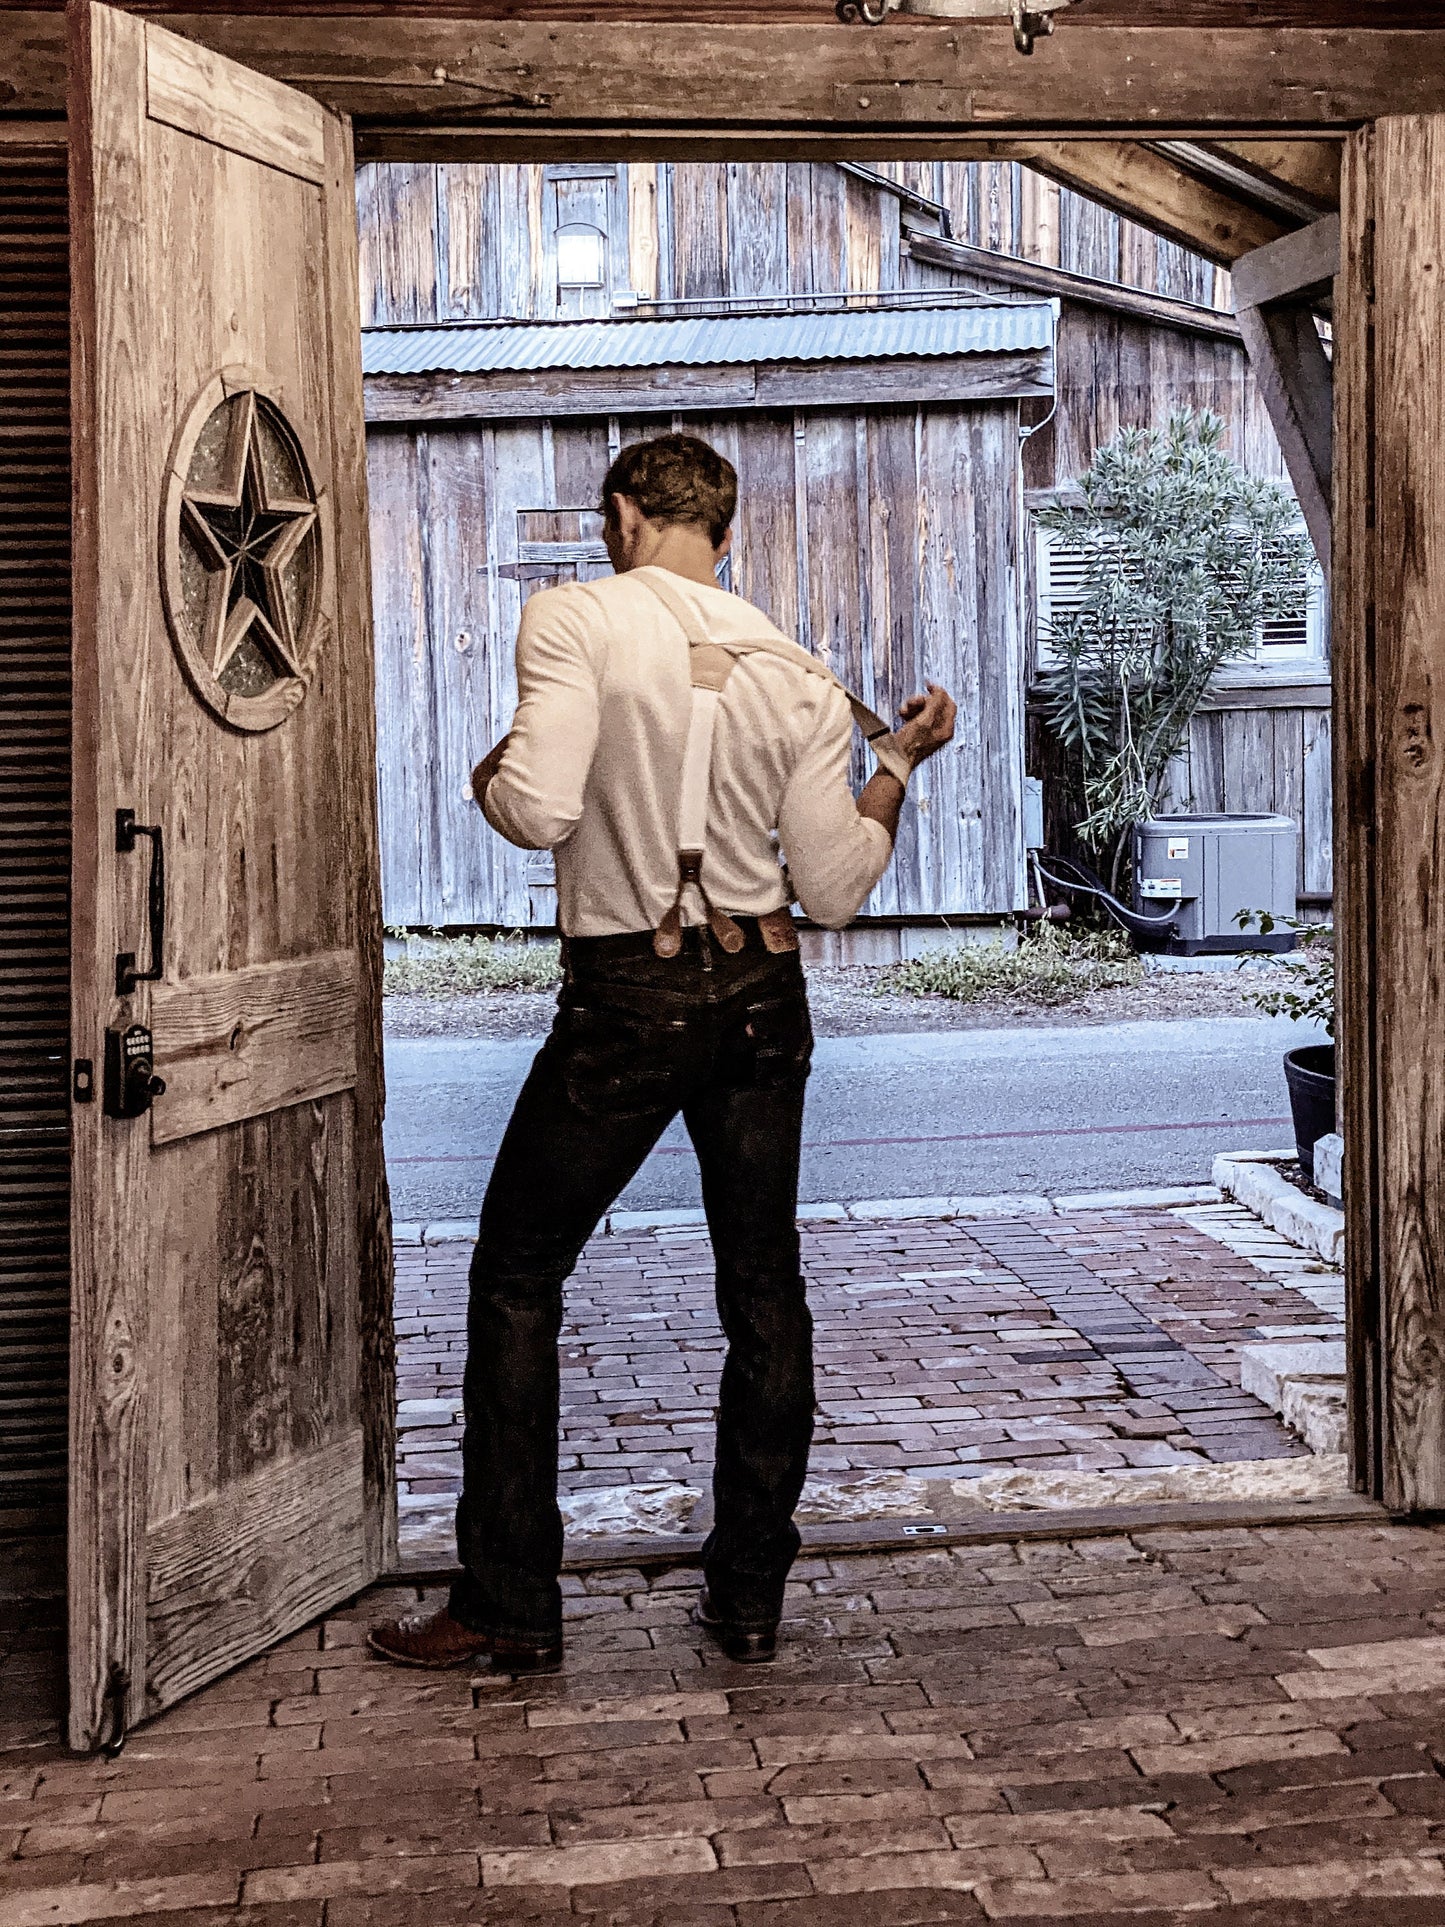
(1213,867)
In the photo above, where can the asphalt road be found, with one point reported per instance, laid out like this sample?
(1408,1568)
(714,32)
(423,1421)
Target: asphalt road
(954,1113)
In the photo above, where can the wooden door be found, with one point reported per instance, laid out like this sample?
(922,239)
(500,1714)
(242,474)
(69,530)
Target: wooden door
(231,1377)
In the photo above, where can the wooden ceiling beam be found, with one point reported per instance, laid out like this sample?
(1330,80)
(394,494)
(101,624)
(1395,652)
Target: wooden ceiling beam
(1241,15)
(1211,162)
(1033,277)
(913,78)
(1313,167)
(1151,188)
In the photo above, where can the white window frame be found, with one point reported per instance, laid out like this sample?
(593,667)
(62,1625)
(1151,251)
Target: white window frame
(577,231)
(1307,660)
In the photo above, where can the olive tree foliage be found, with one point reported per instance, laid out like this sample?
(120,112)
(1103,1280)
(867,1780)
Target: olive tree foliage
(1185,556)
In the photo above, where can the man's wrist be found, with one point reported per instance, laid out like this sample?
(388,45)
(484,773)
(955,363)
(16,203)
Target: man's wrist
(893,757)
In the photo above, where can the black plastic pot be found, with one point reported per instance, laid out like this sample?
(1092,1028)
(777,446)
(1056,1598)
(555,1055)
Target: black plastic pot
(1310,1074)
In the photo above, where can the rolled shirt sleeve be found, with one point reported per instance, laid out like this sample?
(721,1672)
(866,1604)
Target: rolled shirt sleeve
(535,798)
(835,856)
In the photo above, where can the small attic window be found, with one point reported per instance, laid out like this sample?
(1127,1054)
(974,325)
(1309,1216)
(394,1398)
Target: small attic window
(581,256)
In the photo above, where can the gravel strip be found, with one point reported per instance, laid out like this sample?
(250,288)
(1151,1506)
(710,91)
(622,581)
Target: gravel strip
(845,1004)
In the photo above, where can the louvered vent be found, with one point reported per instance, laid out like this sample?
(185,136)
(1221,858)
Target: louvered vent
(34,826)
(1062,579)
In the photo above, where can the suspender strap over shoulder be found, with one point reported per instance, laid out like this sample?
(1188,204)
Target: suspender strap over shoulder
(876,733)
(710,664)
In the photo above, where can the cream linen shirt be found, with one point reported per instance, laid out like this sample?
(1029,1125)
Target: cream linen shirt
(593,766)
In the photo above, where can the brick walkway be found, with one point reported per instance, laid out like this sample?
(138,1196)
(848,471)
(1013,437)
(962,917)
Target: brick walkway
(945,1350)
(1118,1732)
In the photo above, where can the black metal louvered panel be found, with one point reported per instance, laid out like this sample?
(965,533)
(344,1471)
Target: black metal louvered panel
(34,824)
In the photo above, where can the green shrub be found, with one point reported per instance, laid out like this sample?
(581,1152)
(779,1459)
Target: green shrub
(441,966)
(1306,986)
(1185,558)
(1050,966)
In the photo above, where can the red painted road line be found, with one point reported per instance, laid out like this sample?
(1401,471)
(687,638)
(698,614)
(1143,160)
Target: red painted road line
(962,1137)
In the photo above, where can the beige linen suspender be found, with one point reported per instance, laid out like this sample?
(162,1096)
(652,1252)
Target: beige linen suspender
(710,663)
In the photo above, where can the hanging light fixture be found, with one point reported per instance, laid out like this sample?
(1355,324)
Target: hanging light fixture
(1031,19)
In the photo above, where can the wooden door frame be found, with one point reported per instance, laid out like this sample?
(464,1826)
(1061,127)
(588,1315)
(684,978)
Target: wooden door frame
(547,90)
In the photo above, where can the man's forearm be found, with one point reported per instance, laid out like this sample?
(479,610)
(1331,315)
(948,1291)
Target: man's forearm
(881,801)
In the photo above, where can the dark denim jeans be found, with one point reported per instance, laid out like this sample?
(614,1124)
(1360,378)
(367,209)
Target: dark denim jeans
(727,1042)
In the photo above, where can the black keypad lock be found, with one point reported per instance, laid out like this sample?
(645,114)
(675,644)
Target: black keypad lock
(130,1072)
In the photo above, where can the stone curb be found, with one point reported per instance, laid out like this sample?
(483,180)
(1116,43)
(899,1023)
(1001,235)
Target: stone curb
(1009,1204)
(1305,1384)
(1251,1180)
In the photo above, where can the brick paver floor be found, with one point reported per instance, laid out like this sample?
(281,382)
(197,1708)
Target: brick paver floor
(1131,1731)
(946,1350)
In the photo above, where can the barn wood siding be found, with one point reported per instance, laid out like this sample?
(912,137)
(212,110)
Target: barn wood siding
(1268,752)
(884,540)
(1114,373)
(471,240)
(474,241)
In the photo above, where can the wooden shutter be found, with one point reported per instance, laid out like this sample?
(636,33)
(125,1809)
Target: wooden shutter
(34,823)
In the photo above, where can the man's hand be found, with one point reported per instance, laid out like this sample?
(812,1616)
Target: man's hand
(487,769)
(928,723)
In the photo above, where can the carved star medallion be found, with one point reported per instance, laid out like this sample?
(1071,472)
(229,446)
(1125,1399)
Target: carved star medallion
(249,524)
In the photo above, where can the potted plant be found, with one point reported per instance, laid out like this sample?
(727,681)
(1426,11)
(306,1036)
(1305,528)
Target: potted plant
(1307,994)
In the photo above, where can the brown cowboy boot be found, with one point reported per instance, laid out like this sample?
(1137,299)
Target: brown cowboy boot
(747,1648)
(437,1640)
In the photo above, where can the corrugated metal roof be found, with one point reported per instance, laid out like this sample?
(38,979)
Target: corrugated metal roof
(701,341)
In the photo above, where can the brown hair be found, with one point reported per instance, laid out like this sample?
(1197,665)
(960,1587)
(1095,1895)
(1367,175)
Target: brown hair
(676,478)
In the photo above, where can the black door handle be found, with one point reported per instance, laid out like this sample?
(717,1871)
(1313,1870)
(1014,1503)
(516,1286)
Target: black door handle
(126,832)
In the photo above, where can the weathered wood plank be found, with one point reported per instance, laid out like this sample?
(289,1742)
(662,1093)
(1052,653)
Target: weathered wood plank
(895,588)
(1357,856)
(285,1351)
(757,217)
(906,381)
(112,562)
(398,586)
(367,1249)
(470,245)
(817,80)
(643,236)
(766,542)
(457,725)
(526,394)
(1062,284)
(233,1045)
(1152,189)
(1236,14)
(1292,371)
(215,1587)
(251,115)
(1317,824)
(1262,694)
(1408,987)
(1300,264)
(397,222)
(699,231)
